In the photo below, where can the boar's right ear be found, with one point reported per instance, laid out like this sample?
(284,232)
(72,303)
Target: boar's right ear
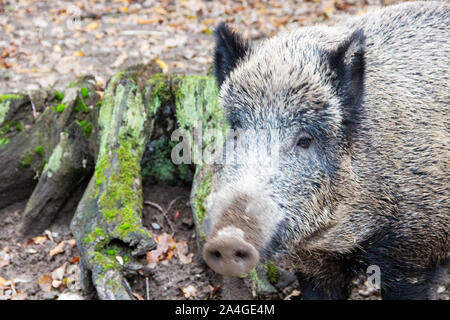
(230,48)
(348,63)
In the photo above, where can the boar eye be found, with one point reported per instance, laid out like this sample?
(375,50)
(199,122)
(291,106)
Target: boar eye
(304,142)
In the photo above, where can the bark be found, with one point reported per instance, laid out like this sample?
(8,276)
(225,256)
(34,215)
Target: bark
(49,148)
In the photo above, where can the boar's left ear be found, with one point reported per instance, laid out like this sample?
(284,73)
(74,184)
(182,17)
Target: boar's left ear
(230,48)
(347,61)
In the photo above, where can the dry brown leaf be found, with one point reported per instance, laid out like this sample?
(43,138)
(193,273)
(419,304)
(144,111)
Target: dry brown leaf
(45,282)
(213,290)
(164,66)
(40,240)
(189,291)
(48,233)
(120,60)
(58,273)
(58,249)
(137,296)
(294,293)
(148,21)
(72,243)
(164,250)
(2,282)
(92,26)
(8,51)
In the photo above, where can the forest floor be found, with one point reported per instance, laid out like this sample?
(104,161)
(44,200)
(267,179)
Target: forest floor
(51,43)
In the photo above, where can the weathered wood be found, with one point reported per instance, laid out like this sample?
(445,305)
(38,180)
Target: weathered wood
(107,223)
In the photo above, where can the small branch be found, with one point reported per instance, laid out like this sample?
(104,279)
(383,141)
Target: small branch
(164,212)
(35,115)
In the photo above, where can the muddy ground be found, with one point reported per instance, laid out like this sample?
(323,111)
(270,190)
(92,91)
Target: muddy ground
(29,262)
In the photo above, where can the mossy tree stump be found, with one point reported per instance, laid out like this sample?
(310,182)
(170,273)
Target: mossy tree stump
(52,143)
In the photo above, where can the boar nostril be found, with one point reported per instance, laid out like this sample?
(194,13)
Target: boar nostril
(240,254)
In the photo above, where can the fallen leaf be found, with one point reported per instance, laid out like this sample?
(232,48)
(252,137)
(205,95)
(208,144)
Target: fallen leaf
(72,243)
(148,21)
(213,290)
(79,53)
(162,65)
(57,48)
(138,296)
(120,60)
(40,240)
(56,284)
(45,282)
(2,282)
(58,273)
(182,252)
(164,250)
(58,249)
(189,291)
(48,233)
(75,260)
(91,26)
(8,51)
(294,293)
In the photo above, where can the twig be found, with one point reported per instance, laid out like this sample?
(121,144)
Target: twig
(164,212)
(33,107)
(147,290)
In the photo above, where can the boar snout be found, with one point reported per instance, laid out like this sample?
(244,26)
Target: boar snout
(229,254)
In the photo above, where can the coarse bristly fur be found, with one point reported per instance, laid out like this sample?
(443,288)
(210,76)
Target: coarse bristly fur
(361,115)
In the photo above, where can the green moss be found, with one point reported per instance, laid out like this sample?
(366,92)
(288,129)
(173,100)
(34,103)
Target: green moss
(40,151)
(59,95)
(5,101)
(87,127)
(196,104)
(120,198)
(7,127)
(98,104)
(19,126)
(159,90)
(3,141)
(158,165)
(112,252)
(60,108)
(125,226)
(273,273)
(84,92)
(54,162)
(5,97)
(200,197)
(261,283)
(104,261)
(81,106)
(25,162)
(99,236)
(4,108)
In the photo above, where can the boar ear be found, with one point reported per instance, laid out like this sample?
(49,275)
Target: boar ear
(347,61)
(230,48)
